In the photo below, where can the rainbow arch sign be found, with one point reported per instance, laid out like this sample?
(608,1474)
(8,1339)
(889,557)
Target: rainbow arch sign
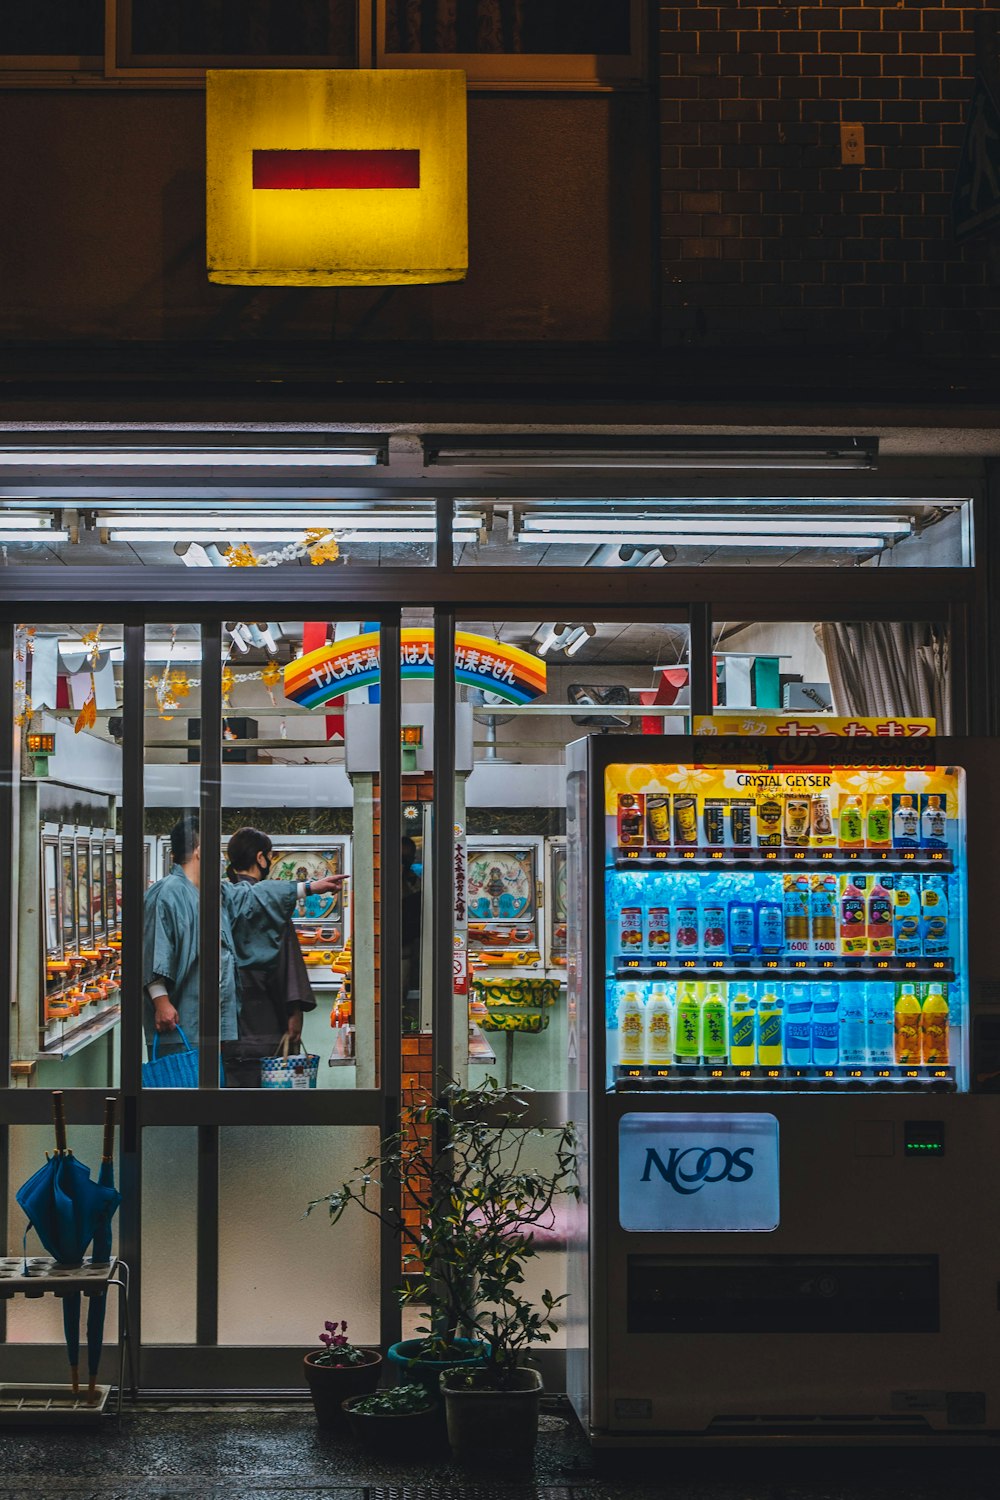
(514,675)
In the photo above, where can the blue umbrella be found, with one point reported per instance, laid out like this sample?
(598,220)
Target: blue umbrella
(101,1253)
(64,1206)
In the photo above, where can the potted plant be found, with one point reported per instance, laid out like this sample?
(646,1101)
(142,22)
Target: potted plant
(338,1370)
(401,1418)
(462,1161)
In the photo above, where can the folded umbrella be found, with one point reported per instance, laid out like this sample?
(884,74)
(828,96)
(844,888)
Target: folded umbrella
(101,1253)
(64,1206)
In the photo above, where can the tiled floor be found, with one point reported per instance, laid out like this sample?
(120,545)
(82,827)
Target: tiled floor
(277,1453)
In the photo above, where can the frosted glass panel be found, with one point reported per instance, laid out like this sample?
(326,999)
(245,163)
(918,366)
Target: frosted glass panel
(40,1321)
(169,1234)
(281,1275)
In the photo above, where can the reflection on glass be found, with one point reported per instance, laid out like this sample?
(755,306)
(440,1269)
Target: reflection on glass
(292,820)
(67,1001)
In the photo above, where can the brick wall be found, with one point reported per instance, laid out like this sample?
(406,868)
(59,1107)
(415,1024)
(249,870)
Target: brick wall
(767,238)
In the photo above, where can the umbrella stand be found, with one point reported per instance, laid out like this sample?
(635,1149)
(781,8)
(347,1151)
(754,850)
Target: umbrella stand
(101,1252)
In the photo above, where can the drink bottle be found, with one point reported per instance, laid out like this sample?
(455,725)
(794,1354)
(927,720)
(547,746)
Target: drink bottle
(852,826)
(906,916)
(907,1025)
(713,1024)
(659,1026)
(880,932)
(742,928)
(823,914)
(934,932)
(770,918)
(798,1026)
(770,1026)
(687,1024)
(826,1026)
(905,822)
(853,1028)
(631,1029)
(934,822)
(879,1021)
(853,929)
(742,1028)
(796,894)
(934,1025)
(878,830)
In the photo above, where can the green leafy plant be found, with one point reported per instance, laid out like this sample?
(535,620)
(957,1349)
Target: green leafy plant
(398,1400)
(337,1350)
(463,1161)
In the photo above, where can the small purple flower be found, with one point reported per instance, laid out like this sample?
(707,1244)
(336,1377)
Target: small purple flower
(330,1327)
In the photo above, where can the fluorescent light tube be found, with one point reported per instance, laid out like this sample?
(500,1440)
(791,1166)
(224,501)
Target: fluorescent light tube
(45,536)
(710,526)
(11,521)
(261,521)
(187,458)
(745,541)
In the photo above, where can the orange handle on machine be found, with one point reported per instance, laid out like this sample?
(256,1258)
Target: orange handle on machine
(110,1105)
(59,1119)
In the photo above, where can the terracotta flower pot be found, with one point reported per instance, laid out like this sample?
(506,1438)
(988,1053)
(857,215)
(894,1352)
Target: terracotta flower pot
(329,1385)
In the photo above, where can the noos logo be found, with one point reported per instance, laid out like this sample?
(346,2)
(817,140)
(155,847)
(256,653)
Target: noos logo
(709,1164)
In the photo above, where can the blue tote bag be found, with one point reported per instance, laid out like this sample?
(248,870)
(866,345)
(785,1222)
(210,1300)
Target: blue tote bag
(174,1070)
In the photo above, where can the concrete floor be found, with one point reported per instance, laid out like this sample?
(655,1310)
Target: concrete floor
(276,1452)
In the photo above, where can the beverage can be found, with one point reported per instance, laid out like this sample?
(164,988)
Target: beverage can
(658,928)
(658,819)
(685,820)
(630,817)
(741,929)
(770,928)
(713,928)
(630,929)
(741,822)
(686,925)
(769,822)
(821,831)
(714,822)
(796,822)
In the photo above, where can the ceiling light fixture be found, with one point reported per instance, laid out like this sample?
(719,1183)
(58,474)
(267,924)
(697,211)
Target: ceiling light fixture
(578,452)
(29,456)
(666,526)
(745,541)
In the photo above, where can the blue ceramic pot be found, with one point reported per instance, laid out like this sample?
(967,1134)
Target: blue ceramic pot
(411,1364)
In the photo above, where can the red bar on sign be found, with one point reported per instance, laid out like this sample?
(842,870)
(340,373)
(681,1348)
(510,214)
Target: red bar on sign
(336,169)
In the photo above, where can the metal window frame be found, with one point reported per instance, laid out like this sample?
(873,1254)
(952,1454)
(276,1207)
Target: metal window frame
(697,596)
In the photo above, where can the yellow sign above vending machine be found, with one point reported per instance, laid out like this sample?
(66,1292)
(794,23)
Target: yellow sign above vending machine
(352,177)
(791,726)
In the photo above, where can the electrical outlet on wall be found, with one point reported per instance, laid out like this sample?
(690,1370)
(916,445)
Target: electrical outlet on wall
(852,145)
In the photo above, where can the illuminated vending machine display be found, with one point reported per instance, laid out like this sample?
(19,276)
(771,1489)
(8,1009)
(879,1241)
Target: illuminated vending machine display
(785,927)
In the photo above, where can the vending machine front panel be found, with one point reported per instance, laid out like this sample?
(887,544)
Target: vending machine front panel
(785,927)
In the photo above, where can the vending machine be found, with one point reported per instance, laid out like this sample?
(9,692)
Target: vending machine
(783,983)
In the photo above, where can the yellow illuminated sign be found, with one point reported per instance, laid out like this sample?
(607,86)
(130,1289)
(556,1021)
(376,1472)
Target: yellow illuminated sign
(348,177)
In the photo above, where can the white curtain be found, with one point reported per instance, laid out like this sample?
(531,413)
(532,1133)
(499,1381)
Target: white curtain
(889,668)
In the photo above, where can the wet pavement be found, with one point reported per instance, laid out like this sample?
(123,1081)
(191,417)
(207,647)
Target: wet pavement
(275,1451)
